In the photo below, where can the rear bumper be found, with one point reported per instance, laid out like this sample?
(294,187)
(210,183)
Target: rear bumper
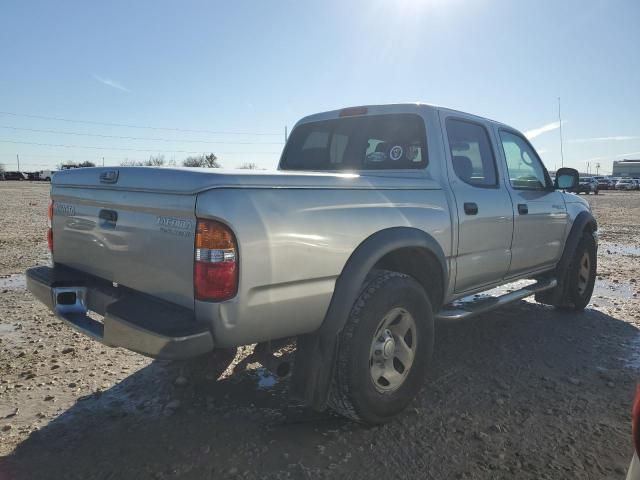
(130,319)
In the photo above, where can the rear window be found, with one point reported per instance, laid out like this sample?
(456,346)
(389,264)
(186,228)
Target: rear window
(375,142)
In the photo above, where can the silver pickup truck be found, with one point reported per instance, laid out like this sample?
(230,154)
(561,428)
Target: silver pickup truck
(378,220)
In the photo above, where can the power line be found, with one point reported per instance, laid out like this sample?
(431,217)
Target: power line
(60,132)
(132,149)
(108,124)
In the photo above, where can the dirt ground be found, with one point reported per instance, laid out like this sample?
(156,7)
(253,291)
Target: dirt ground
(523,392)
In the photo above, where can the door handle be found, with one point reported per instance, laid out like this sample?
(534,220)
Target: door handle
(108,219)
(471,208)
(108,215)
(523,208)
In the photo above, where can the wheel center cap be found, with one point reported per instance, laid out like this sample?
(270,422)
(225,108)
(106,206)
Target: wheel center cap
(388,348)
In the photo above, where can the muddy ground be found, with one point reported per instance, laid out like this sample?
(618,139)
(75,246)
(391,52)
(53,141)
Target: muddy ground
(524,392)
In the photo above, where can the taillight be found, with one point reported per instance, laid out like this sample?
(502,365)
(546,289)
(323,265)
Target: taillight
(635,421)
(215,266)
(50,226)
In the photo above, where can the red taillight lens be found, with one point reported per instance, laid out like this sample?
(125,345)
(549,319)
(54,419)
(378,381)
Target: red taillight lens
(635,421)
(215,268)
(50,224)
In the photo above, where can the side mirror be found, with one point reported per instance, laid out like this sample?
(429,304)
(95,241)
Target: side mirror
(566,178)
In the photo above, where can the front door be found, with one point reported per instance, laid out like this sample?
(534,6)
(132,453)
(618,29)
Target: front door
(485,213)
(540,213)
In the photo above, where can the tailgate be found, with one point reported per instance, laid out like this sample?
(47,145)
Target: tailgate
(139,239)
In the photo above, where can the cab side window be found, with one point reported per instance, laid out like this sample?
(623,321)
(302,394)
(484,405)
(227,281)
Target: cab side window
(525,168)
(471,153)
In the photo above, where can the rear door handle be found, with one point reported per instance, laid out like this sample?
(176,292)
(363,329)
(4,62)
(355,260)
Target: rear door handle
(523,208)
(471,208)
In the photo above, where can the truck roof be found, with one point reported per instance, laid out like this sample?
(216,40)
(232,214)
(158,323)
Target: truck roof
(379,109)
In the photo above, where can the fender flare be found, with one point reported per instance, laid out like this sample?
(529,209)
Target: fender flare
(583,221)
(316,352)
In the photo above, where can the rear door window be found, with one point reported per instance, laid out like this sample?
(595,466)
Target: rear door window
(372,142)
(471,153)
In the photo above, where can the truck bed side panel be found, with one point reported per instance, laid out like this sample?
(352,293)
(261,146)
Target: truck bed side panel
(293,244)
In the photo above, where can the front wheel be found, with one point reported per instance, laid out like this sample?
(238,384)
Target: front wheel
(384,349)
(581,275)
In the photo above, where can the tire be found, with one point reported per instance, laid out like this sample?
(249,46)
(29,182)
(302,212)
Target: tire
(370,345)
(580,278)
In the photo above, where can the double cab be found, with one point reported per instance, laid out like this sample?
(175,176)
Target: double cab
(376,222)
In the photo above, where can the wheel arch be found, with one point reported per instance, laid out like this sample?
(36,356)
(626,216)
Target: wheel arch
(583,223)
(392,249)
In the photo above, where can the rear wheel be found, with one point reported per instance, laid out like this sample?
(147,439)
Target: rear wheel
(384,349)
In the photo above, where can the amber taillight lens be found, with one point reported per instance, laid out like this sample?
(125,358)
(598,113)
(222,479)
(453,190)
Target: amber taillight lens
(215,266)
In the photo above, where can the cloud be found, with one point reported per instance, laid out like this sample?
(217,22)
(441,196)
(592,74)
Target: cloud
(536,132)
(618,138)
(111,83)
(622,155)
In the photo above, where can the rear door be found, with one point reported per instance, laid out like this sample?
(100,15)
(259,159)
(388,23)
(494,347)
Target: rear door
(540,213)
(484,209)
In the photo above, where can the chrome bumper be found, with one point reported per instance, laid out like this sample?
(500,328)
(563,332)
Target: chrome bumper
(130,319)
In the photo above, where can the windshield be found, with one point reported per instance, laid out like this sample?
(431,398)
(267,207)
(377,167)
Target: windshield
(374,142)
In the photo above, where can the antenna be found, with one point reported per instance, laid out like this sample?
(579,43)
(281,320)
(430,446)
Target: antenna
(560,122)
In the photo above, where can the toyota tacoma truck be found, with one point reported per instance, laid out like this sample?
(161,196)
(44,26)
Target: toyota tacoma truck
(377,222)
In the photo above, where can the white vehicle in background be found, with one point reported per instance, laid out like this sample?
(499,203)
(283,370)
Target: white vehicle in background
(46,175)
(626,184)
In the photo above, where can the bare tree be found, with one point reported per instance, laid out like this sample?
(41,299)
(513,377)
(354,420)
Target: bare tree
(157,161)
(248,166)
(206,161)
(67,165)
(1,167)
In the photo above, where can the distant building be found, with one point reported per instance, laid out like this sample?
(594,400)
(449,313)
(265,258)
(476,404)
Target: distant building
(626,168)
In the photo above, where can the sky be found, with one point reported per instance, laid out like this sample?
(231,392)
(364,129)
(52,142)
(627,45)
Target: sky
(124,80)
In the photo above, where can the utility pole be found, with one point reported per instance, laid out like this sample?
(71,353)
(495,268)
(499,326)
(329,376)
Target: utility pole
(597,168)
(103,161)
(560,122)
(18,157)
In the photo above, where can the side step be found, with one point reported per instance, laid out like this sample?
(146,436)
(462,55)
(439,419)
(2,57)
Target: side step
(463,310)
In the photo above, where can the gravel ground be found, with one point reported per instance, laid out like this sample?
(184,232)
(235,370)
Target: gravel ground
(523,392)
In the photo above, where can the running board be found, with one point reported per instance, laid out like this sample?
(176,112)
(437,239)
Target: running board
(486,304)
